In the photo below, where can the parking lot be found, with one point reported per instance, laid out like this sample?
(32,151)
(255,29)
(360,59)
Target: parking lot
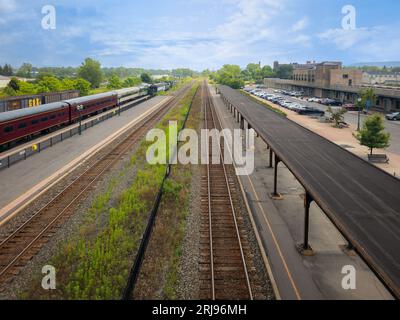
(302,106)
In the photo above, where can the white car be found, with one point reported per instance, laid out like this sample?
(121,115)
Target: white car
(287,104)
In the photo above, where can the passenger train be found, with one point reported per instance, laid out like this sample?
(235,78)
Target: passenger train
(29,122)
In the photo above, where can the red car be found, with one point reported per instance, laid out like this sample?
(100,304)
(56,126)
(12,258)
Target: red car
(350,107)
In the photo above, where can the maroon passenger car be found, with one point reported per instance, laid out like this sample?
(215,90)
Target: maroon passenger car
(92,104)
(18,124)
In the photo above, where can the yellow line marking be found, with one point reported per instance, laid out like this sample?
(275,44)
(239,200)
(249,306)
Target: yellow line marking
(275,241)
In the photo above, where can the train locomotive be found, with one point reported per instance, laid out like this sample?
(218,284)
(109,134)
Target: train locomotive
(158,87)
(28,122)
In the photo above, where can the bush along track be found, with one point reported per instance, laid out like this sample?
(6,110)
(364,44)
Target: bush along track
(95,264)
(159,275)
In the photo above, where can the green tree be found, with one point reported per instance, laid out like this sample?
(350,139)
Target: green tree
(49,84)
(7,70)
(183,73)
(114,83)
(146,78)
(26,88)
(267,72)
(254,71)
(25,71)
(372,134)
(83,86)
(337,115)
(285,71)
(14,84)
(68,84)
(90,70)
(230,75)
(131,82)
(368,97)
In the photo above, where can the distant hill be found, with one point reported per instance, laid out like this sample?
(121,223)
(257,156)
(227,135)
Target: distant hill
(388,64)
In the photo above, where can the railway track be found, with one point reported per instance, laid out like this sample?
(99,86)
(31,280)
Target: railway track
(22,244)
(223,269)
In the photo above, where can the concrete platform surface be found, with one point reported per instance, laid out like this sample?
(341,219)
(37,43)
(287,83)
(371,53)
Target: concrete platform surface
(26,174)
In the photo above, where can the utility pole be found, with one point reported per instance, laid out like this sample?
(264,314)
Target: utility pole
(80,108)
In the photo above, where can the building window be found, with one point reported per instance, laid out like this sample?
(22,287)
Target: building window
(345,76)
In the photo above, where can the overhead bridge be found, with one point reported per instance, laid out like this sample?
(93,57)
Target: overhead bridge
(361,200)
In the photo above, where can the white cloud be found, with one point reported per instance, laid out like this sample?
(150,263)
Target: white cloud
(374,43)
(7,6)
(249,33)
(345,39)
(300,25)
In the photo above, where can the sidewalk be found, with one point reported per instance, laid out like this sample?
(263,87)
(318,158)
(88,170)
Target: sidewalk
(343,137)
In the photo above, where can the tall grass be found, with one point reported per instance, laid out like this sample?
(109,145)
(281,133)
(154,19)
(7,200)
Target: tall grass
(95,263)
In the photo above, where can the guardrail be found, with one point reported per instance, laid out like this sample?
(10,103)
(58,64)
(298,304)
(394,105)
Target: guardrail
(8,158)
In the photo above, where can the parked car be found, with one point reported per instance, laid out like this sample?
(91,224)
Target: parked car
(311,111)
(276,99)
(350,107)
(331,102)
(393,116)
(314,99)
(287,104)
(296,107)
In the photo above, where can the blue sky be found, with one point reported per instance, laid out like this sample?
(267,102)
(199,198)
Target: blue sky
(197,34)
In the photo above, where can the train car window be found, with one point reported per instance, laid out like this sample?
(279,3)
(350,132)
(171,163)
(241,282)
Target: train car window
(53,116)
(22,125)
(35,121)
(8,129)
(44,119)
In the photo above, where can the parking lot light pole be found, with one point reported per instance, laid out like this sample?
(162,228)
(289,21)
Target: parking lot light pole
(359,113)
(80,108)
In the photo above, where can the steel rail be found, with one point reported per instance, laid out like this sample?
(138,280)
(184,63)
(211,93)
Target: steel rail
(135,132)
(215,120)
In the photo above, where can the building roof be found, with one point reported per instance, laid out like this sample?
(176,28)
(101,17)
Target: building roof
(383,73)
(330,63)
